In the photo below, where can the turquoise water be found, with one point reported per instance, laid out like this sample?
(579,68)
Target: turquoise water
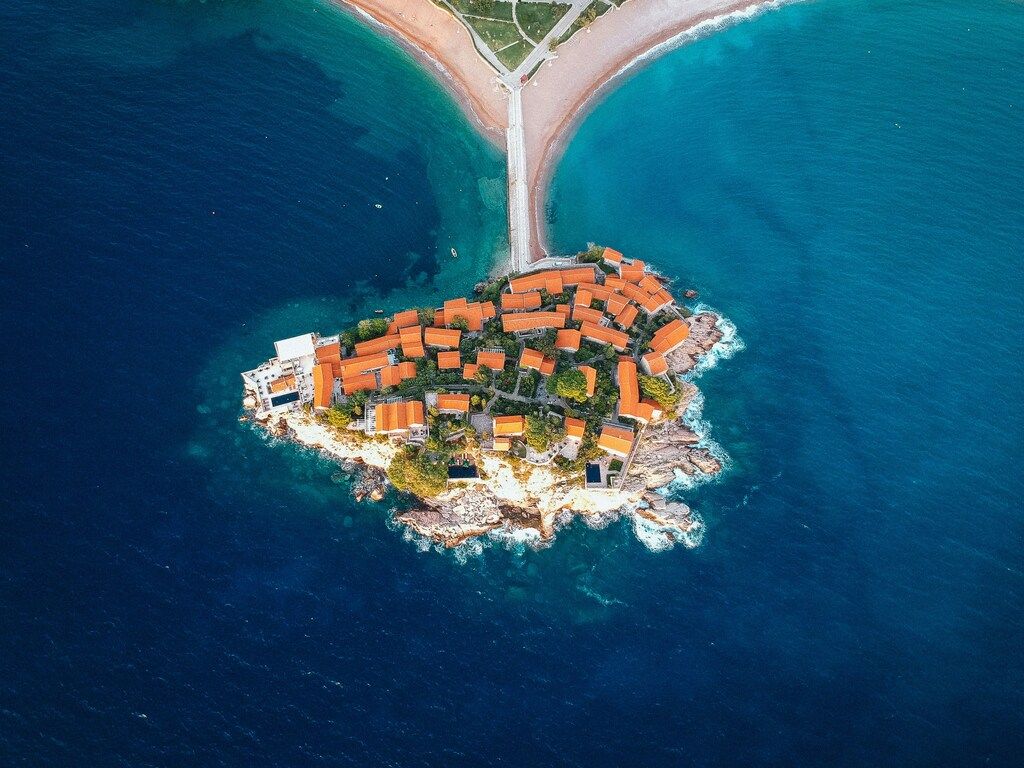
(185,182)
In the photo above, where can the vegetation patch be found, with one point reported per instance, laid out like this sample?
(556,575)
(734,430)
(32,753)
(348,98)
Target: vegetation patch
(537,19)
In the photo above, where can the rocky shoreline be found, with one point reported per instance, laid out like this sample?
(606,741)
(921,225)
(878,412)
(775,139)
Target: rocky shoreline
(530,499)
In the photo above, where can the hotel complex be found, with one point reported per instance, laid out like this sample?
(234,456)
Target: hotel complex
(611,318)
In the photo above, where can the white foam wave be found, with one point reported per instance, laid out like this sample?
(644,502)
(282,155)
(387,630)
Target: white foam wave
(725,348)
(704,29)
(660,538)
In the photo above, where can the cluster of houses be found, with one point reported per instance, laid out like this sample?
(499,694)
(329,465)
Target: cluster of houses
(311,370)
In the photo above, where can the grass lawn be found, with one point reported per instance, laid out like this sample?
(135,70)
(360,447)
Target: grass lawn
(514,55)
(497,34)
(591,12)
(537,19)
(490,9)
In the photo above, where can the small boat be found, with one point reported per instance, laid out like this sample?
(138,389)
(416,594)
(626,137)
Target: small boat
(455,254)
(378,311)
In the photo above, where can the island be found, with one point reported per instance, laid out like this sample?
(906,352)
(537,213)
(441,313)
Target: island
(560,391)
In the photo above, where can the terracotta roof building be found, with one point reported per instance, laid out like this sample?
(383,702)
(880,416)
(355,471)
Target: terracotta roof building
(630,404)
(590,374)
(469,371)
(627,316)
(603,335)
(442,337)
(501,444)
(392,418)
(517,302)
(393,375)
(532,359)
(633,272)
(654,364)
(583,297)
(509,426)
(323,385)
(550,281)
(613,257)
(404,320)
(283,383)
(352,366)
(521,322)
(359,382)
(574,428)
(381,344)
(490,359)
(474,313)
(670,336)
(412,341)
(446,361)
(617,441)
(453,403)
(582,313)
(567,339)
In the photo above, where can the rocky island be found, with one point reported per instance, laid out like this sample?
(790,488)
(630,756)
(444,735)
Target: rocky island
(556,392)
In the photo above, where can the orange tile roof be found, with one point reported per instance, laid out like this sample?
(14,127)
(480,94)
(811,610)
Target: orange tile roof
(283,383)
(632,273)
(614,283)
(535,360)
(509,426)
(493,360)
(582,313)
(329,353)
(382,344)
(400,416)
(599,292)
(599,333)
(442,337)
(550,280)
(469,371)
(612,256)
(567,339)
(501,444)
(670,336)
(615,440)
(412,341)
(487,309)
(473,313)
(656,302)
(583,297)
(630,404)
(358,382)
(404,320)
(590,374)
(627,316)
(531,358)
(448,360)
(655,364)
(564,310)
(393,375)
(513,302)
(363,363)
(458,403)
(650,284)
(615,303)
(529,321)
(578,275)
(323,385)
(574,428)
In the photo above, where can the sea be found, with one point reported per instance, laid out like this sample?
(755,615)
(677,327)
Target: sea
(184,182)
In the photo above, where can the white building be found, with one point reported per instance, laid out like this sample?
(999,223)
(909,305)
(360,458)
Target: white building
(284,382)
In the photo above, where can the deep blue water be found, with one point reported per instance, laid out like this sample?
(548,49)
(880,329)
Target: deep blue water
(183,183)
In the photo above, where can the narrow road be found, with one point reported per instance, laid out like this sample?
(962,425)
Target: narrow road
(518,191)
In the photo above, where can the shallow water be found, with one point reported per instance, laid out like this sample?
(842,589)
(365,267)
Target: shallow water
(185,182)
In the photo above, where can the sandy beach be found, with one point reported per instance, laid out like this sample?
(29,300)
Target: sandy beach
(563,90)
(439,40)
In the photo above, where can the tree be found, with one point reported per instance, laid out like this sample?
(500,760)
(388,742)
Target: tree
(570,385)
(475,401)
(371,328)
(416,474)
(537,433)
(459,322)
(658,390)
